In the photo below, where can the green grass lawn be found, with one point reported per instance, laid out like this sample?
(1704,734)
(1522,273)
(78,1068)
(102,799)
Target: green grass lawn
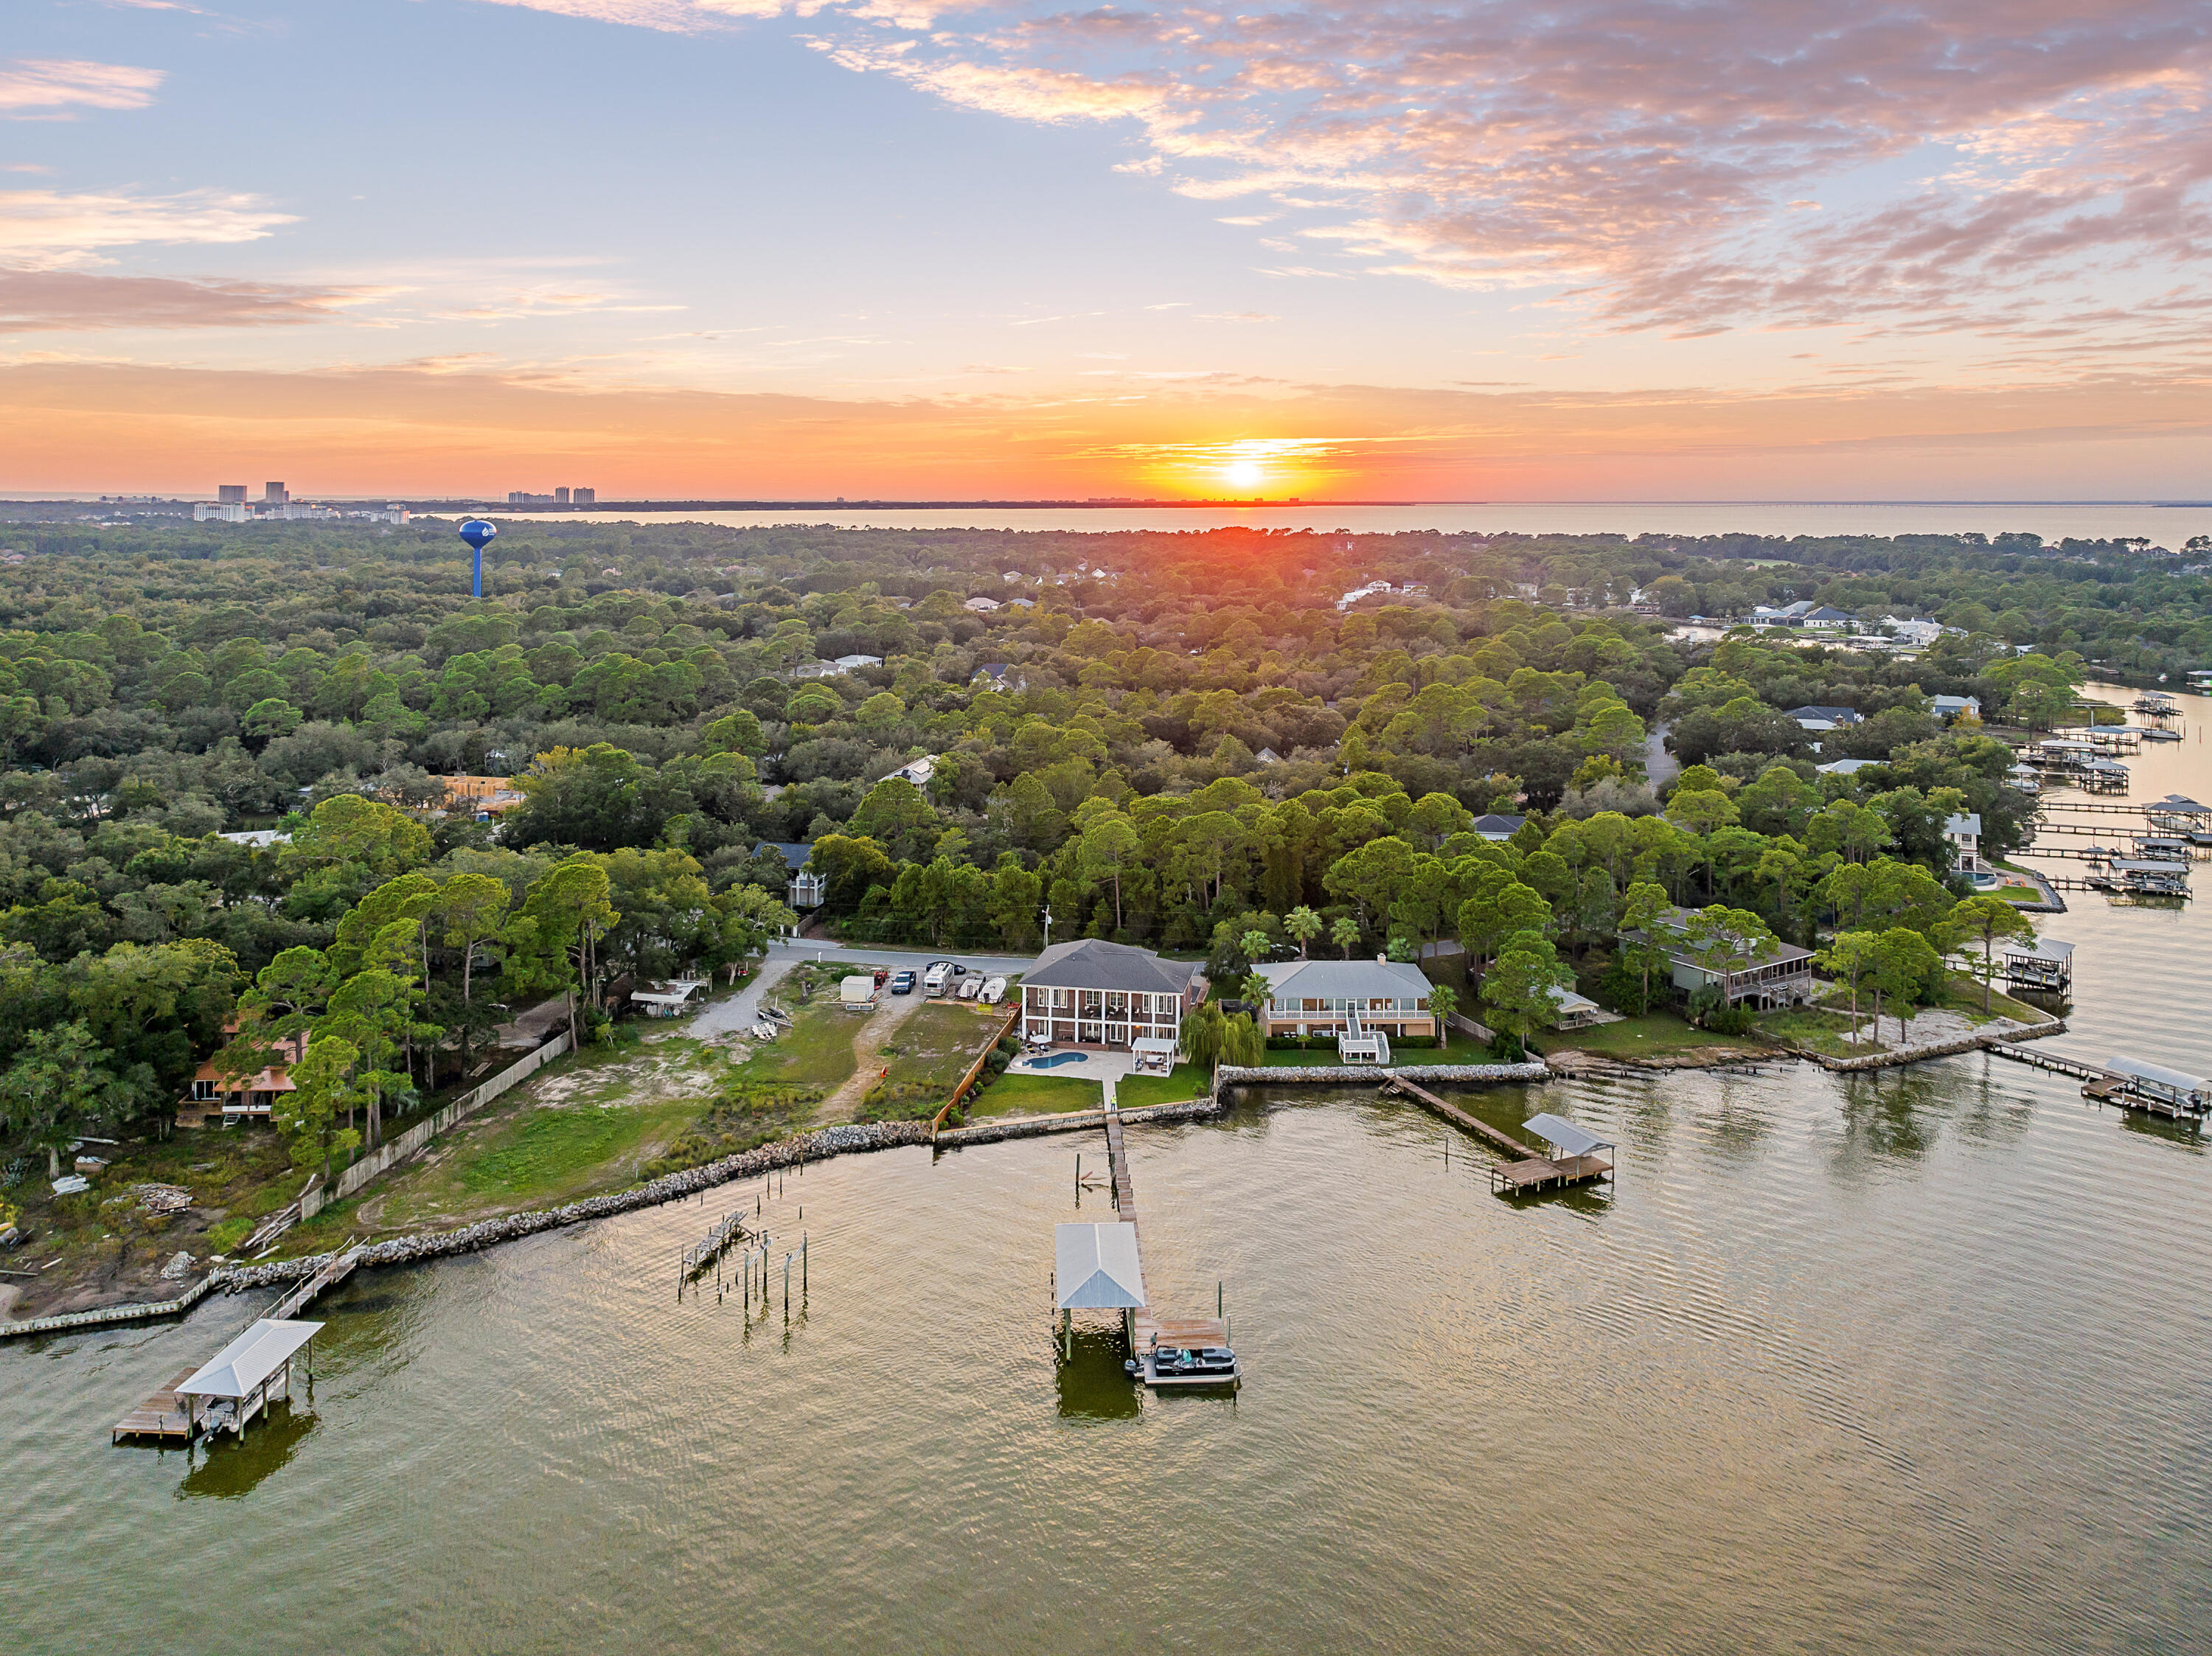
(816,1050)
(937,1043)
(1819,1031)
(1025,1093)
(1653,1032)
(1966,1000)
(1185,1081)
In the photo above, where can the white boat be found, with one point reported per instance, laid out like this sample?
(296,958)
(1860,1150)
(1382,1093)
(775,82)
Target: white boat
(993,991)
(967,987)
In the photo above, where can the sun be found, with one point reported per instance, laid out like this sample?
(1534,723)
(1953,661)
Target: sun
(1244,474)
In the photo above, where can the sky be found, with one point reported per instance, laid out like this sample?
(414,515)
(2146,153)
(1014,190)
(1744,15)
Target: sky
(962,249)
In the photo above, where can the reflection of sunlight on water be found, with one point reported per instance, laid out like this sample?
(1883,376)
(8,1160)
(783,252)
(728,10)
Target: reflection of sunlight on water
(1839,1353)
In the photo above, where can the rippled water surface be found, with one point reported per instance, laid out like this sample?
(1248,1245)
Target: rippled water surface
(1916,1362)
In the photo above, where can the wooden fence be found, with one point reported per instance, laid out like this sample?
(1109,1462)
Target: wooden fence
(396,1149)
(1013,1017)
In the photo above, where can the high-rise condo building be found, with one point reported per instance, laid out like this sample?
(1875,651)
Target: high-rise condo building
(583,497)
(230,494)
(275,494)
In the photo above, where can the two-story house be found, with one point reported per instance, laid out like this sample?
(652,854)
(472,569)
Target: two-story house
(1094,993)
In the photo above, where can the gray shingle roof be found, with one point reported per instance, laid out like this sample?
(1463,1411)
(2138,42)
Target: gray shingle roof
(1092,963)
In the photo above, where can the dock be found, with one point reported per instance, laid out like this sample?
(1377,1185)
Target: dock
(2046,1061)
(164,1416)
(1148,1328)
(1527,1174)
(168,1418)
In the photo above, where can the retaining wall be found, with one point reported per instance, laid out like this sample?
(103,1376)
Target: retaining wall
(1900,1055)
(1232,1075)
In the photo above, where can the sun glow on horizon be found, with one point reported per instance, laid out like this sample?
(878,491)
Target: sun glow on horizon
(1244,474)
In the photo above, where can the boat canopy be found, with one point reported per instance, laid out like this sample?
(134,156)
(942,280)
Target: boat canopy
(1563,1136)
(1096,1268)
(241,1368)
(2136,1070)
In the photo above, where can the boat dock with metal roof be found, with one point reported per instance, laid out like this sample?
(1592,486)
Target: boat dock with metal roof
(1574,1159)
(1101,1268)
(2153,1087)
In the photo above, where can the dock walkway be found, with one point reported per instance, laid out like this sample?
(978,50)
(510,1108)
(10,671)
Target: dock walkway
(1148,1328)
(1528,1173)
(162,1415)
(329,1276)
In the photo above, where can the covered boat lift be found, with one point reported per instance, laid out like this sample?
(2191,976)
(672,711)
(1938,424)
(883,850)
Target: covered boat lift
(2152,1086)
(1576,1159)
(237,1383)
(2038,963)
(1096,1268)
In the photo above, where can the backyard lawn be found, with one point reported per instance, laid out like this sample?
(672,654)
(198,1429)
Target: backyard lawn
(1187,1081)
(935,1044)
(1654,1033)
(1025,1093)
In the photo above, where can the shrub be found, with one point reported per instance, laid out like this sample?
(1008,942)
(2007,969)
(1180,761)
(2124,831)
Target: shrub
(228,1234)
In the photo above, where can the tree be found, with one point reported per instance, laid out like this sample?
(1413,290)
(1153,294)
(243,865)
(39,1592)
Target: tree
(1203,1031)
(1304,925)
(1443,1001)
(1855,957)
(474,909)
(1503,908)
(1987,918)
(322,1083)
(1642,910)
(1519,985)
(1344,934)
(1905,966)
(898,816)
(58,1084)
(1110,845)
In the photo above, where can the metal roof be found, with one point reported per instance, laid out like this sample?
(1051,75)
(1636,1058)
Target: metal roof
(1091,963)
(1095,1268)
(241,1368)
(1360,980)
(2135,1069)
(1563,1136)
(2046,949)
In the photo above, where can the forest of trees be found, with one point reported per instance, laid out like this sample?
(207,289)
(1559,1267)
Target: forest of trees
(1190,747)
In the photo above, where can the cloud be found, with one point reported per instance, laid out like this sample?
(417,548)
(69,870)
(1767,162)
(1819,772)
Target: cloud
(47,83)
(46,228)
(1238,316)
(42,302)
(1737,163)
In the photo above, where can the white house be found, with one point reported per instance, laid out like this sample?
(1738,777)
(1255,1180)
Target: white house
(1965,834)
(1952,708)
(1496,825)
(1094,993)
(806,889)
(981,606)
(916,771)
(998,675)
(1781,975)
(1322,997)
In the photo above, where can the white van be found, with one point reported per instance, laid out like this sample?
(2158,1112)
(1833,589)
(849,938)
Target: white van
(934,979)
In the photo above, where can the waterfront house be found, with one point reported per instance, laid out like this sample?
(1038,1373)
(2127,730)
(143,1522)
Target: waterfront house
(217,1094)
(1781,975)
(1324,998)
(1094,993)
(1965,834)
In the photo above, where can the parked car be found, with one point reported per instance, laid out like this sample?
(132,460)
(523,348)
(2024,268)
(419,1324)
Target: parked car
(902,983)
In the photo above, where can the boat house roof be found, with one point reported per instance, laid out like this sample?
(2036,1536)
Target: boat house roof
(1096,1268)
(2136,1070)
(1563,1136)
(239,1369)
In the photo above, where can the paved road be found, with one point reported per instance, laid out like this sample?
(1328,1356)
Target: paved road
(741,1010)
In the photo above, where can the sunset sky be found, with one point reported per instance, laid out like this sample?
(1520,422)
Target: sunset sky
(1746,249)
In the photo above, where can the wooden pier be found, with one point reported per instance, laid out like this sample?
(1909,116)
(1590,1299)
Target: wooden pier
(2065,1066)
(1147,1327)
(329,1276)
(164,1416)
(1528,1173)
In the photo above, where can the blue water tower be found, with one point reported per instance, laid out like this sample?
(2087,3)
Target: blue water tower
(476,531)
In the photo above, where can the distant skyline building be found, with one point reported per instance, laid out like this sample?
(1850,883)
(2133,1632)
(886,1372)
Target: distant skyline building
(584,497)
(560,497)
(275,494)
(230,494)
(522,497)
